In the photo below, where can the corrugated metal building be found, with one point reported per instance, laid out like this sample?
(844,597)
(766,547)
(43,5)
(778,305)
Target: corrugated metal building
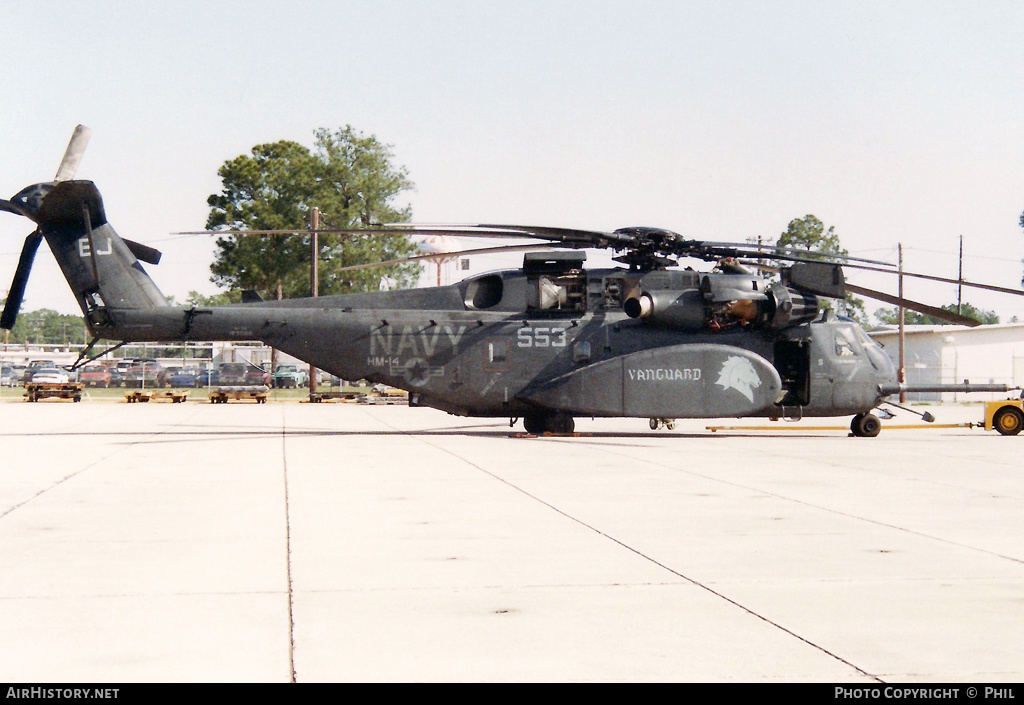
(951,354)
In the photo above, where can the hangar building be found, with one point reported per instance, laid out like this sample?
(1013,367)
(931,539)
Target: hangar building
(951,354)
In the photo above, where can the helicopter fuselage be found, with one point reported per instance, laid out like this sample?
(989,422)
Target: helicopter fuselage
(558,340)
(547,342)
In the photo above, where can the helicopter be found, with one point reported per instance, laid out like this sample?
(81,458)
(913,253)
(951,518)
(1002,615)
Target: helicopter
(547,342)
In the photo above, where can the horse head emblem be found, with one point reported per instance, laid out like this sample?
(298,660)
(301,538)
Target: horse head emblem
(737,373)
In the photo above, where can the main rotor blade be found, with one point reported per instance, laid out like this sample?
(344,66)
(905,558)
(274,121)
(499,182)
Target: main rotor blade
(447,255)
(930,277)
(305,231)
(17,292)
(73,155)
(945,280)
(645,247)
(569,237)
(790,254)
(940,313)
(656,241)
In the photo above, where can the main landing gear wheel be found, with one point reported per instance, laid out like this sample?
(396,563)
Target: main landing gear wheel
(865,425)
(538,423)
(1009,421)
(534,423)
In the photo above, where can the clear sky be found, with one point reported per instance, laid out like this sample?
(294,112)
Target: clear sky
(894,122)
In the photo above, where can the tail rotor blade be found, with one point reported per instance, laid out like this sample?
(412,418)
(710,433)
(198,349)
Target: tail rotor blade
(144,253)
(17,292)
(10,207)
(73,155)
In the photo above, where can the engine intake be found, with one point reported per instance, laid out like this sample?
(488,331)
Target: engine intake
(791,307)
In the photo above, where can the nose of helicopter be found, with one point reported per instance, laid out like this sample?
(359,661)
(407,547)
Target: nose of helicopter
(885,369)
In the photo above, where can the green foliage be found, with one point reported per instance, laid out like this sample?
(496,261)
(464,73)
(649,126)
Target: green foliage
(352,181)
(223,298)
(807,236)
(891,316)
(46,327)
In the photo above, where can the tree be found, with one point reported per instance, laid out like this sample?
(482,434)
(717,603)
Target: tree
(357,185)
(222,298)
(269,190)
(807,236)
(349,177)
(46,327)
(891,316)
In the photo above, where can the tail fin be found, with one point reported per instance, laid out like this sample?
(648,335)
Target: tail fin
(102,269)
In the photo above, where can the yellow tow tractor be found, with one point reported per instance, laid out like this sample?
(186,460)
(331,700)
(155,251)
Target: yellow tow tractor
(1006,416)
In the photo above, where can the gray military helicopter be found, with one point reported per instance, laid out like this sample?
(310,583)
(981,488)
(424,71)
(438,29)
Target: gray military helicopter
(546,342)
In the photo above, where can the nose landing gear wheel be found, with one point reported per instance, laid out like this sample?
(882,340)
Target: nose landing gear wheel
(865,425)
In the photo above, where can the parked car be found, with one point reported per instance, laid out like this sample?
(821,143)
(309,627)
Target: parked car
(19,373)
(145,373)
(8,377)
(116,376)
(182,377)
(232,374)
(325,378)
(95,376)
(50,375)
(34,366)
(290,377)
(257,376)
(208,377)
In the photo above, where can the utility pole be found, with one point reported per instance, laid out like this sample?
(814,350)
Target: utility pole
(314,258)
(901,372)
(314,278)
(960,277)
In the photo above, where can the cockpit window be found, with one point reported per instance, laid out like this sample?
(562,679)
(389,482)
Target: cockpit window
(864,339)
(845,342)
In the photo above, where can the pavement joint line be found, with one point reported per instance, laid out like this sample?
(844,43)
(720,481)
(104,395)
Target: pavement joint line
(78,472)
(288,548)
(641,554)
(837,512)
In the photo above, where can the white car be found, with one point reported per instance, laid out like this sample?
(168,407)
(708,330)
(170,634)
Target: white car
(51,375)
